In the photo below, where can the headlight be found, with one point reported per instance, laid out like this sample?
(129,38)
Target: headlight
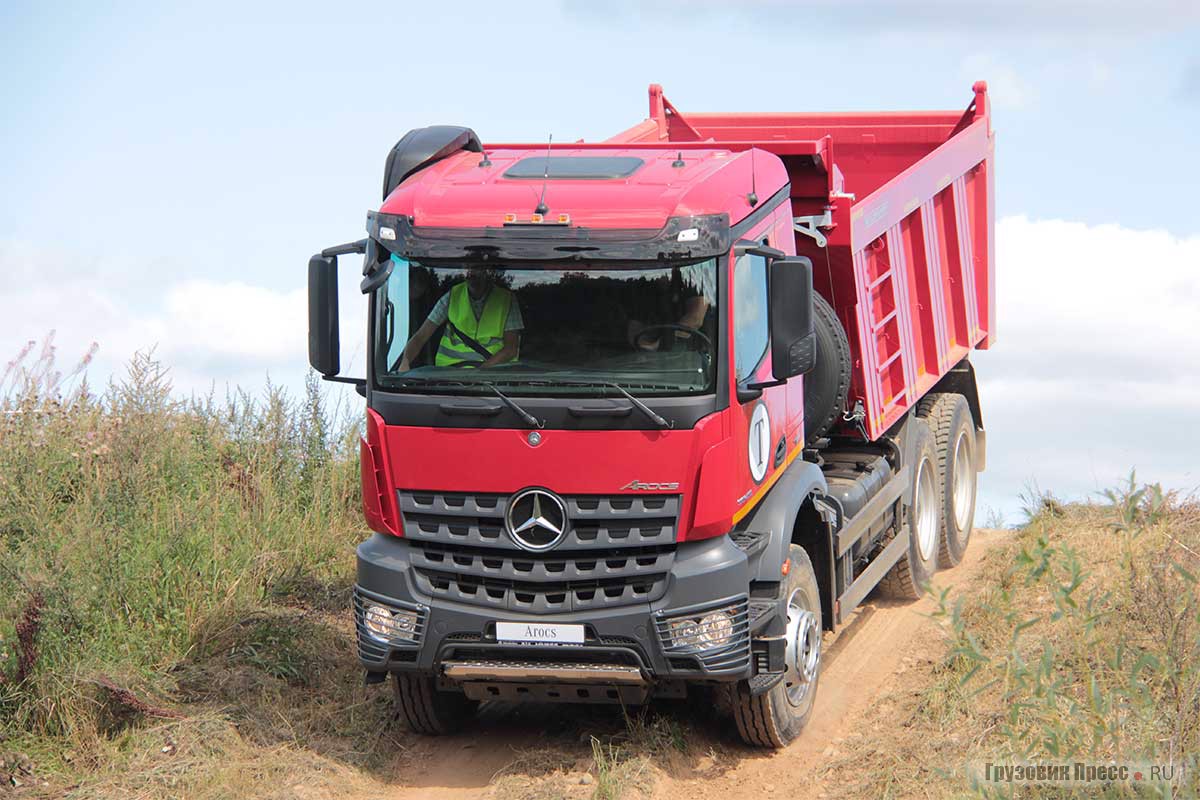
(702,633)
(717,629)
(386,625)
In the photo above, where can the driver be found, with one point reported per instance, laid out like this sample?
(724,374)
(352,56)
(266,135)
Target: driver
(694,295)
(480,317)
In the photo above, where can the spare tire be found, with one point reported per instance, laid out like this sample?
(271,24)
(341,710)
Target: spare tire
(424,146)
(826,386)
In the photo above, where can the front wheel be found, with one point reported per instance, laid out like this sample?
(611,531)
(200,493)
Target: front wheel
(776,717)
(428,711)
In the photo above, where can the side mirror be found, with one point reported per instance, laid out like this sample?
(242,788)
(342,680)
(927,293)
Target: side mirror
(793,342)
(323,345)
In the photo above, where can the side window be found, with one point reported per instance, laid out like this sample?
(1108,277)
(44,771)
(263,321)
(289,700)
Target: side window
(394,312)
(750,329)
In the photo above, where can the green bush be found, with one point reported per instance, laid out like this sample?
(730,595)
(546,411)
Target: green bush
(137,530)
(1088,646)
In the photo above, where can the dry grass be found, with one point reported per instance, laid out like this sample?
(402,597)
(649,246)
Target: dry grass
(174,590)
(1084,647)
(174,585)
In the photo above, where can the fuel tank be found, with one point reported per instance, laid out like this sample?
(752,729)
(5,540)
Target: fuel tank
(854,477)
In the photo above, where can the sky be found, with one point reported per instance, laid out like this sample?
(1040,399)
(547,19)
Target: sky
(167,169)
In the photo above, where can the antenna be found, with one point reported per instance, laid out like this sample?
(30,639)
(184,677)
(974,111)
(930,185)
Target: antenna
(752,198)
(485,161)
(542,208)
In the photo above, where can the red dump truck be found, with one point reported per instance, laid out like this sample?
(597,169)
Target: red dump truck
(647,416)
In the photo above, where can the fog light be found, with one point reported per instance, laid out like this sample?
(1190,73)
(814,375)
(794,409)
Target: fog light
(710,631)
(378,621)
(404,626)
(685,633)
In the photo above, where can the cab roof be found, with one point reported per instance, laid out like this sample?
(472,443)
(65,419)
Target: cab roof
(596,185)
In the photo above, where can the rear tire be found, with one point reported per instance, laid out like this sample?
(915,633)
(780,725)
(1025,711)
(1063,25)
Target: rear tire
(949,417)
(426,710)
(908,579)
(775,718)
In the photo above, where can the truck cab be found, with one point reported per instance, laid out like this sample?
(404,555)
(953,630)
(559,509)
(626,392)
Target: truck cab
(590,462)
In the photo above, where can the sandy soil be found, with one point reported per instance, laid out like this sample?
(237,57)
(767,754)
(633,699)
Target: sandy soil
(544,751)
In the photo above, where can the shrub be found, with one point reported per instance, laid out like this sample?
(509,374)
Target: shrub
(137,528)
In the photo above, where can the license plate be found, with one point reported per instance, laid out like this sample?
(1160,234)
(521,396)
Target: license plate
(539,632)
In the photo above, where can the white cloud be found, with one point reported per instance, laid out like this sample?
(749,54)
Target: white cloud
(1097,366)
(234,321)
(209,333)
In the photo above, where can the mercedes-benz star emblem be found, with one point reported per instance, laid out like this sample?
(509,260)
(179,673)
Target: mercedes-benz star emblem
(536,519)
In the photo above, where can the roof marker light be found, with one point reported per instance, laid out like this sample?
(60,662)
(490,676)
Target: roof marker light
(387,234)
(538,219)
(688,235)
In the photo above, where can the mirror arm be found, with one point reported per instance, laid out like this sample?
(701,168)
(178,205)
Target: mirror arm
(346,249)
(752,391)
(360,384)
(757,249)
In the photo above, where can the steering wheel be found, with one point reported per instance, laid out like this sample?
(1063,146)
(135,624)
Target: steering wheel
(692,333)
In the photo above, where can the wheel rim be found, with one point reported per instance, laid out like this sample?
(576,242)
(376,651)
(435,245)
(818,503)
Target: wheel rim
(926,510)
(964,483)
(803,653)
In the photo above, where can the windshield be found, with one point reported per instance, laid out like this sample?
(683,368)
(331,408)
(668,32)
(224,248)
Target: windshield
(651,330)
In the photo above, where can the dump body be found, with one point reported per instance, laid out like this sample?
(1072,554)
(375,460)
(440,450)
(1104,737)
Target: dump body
(907,257)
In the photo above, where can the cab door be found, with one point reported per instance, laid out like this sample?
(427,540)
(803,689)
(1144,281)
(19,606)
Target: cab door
(763,428)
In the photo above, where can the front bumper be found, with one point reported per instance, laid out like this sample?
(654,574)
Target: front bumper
(704,575)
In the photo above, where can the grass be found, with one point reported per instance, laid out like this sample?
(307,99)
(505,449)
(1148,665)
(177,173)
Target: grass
(1084,646)
(624,763)
(173,576)
(174,580)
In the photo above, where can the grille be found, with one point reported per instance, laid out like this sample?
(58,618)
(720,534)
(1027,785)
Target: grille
(617,551)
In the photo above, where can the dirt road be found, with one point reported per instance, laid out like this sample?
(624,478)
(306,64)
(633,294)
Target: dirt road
(545,751)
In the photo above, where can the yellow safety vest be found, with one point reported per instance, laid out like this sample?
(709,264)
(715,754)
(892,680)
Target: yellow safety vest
(488,329)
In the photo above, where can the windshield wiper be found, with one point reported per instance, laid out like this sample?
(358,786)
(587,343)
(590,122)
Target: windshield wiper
(654,416)
(530,419)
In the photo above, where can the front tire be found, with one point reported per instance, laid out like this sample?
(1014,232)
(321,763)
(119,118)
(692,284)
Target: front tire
(426,710)
(775,718)
(954,433)
(908,579)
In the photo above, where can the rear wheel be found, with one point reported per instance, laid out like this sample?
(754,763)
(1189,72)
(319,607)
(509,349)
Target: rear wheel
(910,576)
(776,717)
(428,711)
(949,417)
